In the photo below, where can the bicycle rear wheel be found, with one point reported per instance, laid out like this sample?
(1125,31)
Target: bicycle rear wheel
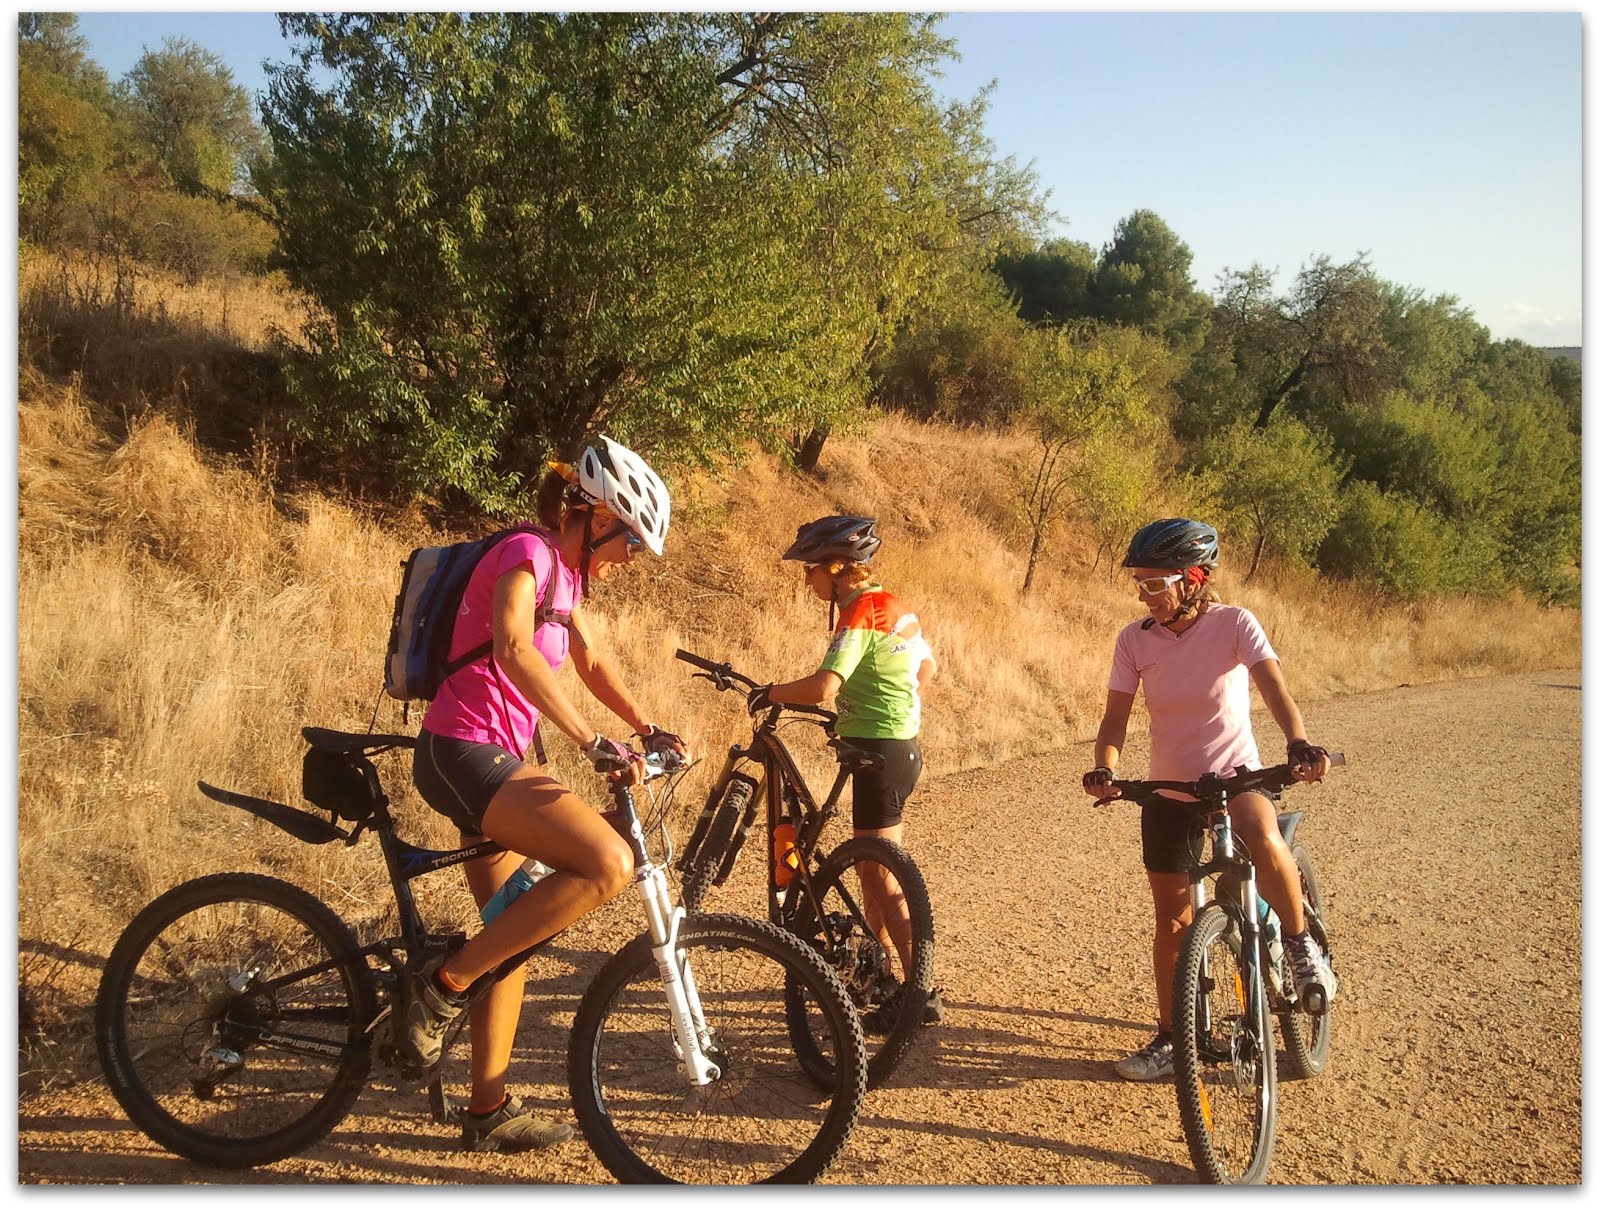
(763,1120)
(1307,1038)
(231,1020)
(891,1010)
(1223,1053)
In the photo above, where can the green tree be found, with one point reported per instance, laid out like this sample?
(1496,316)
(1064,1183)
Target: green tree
(1278,489)
(1087,384)
(1052,283)
(1142,280)
(191,118)
(685,229)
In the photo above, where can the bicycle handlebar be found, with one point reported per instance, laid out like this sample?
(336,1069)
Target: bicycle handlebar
(723,676)
(1210,789)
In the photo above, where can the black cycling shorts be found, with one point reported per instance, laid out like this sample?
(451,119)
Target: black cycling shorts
(1170,835)
(1167,835)
(458,777)
(878,795)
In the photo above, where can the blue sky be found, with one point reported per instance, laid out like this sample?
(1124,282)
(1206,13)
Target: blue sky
(1446,145)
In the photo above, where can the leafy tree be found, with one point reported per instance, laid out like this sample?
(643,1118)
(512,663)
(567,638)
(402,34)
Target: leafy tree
(686,229)
(1325,333)
(190,116)
(1142,280)
(66,145)
(1277,489)
(1053,283)
(1087,384)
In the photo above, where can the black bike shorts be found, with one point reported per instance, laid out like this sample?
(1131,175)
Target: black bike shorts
(878,795)
(1170,835)
(1167,835)
(458,777)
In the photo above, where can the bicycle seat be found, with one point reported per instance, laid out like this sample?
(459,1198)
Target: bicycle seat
(340,741)
(852,757)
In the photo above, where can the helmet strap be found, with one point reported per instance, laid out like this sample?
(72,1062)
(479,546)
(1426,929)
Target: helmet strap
(588,551)
(833,603)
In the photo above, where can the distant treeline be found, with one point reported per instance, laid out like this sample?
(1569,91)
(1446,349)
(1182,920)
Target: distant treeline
(694,229)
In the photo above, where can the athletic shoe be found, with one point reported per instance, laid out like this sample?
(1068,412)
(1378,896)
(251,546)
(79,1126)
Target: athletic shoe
(429,1011)
(511,1129)
(1314,981)
(1152,1062)
(879,1022)
(933,1010)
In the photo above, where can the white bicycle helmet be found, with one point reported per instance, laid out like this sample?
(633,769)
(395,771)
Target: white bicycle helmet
(615,476)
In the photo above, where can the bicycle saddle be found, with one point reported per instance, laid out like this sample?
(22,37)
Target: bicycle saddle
(340,741)
(853,757)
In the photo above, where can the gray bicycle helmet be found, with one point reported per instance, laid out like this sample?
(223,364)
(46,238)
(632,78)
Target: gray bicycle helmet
(832,537)
(1172,545)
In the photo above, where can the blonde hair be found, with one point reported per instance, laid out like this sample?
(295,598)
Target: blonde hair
(848,574)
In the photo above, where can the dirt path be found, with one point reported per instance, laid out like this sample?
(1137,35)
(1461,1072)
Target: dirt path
(1458,1044)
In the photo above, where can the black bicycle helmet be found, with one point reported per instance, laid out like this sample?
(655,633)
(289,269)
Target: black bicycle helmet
(1172,545)
(832,537)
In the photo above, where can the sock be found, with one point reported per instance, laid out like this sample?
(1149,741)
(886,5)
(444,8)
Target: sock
(449,984)
(490,1112)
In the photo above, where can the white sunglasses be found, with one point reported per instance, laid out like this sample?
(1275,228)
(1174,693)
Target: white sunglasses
(1157,583)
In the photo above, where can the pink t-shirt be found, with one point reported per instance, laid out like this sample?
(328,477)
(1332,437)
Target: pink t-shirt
(480,703)
(1197,690)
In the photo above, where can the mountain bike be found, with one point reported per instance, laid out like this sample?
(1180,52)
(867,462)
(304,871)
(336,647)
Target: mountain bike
(239,1016)
(815,895)
(1232,975)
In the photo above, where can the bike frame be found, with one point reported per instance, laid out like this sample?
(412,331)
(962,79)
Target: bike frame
(406,862)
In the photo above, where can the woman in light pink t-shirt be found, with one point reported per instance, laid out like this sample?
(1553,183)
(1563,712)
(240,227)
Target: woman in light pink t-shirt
(1195,659)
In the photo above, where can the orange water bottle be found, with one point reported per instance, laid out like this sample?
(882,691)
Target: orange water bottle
(785,860)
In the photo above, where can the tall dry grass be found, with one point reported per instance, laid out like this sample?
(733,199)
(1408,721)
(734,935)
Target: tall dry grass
(180,619)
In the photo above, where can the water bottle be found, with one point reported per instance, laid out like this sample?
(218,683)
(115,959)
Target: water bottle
(518,884)
(784,858)
(1269,928)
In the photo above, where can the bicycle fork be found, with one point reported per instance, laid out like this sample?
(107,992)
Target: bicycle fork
(690,1036)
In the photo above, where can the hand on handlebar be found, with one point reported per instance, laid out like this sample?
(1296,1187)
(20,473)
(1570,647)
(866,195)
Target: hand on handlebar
(615,761)
(1307,762)
(658,742)
(760,699)
(1097,784)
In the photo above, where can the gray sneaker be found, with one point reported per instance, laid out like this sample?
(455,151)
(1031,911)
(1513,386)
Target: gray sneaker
(429,1011)
(1314,981)
(511,1129)
(1152,1062)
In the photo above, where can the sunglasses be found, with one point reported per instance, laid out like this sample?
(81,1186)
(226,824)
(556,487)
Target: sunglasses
(1157,583)
(633,539)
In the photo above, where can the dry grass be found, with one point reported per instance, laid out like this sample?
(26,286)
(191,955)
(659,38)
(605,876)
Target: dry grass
(180,620)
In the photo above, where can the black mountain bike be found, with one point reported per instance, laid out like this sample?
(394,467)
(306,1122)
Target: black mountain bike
(1232,976)
(238,1016)
(816,895)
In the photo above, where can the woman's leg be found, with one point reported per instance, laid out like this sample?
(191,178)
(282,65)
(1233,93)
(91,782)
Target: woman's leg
(494,1017)
(1255,821)
(535,815)
(885,905)
(1173,913)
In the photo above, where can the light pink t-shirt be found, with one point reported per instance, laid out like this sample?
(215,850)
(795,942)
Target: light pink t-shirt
(1196,689)
(480,703)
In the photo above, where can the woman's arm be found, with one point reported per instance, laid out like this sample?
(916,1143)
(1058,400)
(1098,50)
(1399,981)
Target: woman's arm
(599,676)
(819,688)
(926,671)
(1268,677)
(1113,732)
(516,608)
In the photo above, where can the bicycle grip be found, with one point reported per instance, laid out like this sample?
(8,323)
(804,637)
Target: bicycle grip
(1336,759)
(697,660)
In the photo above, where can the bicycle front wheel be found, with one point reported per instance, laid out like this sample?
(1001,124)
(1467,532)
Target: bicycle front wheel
(1307,1038)
(762,1120)
(891,1008)
(1223,1053)
(231,1020)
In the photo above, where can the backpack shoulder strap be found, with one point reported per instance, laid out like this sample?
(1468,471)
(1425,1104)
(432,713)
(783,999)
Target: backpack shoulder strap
(542,615)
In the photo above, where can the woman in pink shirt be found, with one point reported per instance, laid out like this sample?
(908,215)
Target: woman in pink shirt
(470,760)
(1196,659)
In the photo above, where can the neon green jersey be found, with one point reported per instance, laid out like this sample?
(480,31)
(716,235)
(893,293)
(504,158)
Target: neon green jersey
(877,649)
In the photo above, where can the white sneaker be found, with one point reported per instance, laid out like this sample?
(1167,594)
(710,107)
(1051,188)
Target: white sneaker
(1152,1062)
(1314,982)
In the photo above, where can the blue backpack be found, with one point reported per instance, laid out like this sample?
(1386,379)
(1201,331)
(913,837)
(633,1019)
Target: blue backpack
(434,580)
